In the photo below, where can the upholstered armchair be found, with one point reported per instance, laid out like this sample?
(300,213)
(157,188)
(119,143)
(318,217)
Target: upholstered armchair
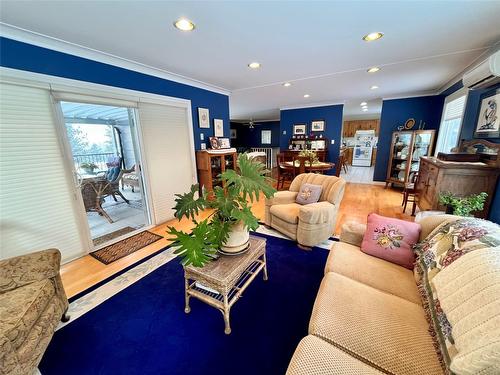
(32,302)
(308,224)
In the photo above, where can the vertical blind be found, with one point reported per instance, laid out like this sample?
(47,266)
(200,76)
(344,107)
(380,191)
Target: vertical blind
(37,200)
(167,150)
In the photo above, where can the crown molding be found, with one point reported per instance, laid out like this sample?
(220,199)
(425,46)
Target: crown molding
(311,105)
(45,41)
(413,95)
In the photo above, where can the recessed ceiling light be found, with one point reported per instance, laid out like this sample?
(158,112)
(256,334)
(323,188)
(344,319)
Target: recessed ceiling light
(374,69)
(365,106)
(365,109)
(254,65)
(373,87)
(363,103)
(373,36)
(184,24)
(306,95)
(287,84)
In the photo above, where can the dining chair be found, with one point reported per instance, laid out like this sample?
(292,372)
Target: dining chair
(410,193)
(284,172)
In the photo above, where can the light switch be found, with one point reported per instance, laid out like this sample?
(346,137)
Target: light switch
(333,141)
(202,137)
(284,132)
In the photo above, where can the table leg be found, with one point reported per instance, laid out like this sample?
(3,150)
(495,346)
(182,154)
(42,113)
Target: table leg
(227,328)
(187,309)
(265,267)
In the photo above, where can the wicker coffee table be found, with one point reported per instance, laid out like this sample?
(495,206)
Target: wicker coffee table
(221,283)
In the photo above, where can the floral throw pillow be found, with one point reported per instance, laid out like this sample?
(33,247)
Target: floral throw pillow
(309,193)
(447,243)
(391,239)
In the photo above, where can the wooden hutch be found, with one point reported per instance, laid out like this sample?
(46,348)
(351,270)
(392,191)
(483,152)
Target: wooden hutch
(298,143)
(459,178)
(211,163)
(407,148)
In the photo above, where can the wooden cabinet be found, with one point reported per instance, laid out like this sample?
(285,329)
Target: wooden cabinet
(211,164)
(461,179)
(407,147)
(350,127)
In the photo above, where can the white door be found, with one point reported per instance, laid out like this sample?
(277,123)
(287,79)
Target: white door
(167,147)
(37,195)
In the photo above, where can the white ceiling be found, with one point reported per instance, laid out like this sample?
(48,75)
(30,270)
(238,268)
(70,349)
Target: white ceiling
(315,45)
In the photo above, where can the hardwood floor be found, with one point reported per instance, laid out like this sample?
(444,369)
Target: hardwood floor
(359,200)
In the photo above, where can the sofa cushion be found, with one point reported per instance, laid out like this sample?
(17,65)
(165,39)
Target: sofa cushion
(469,294)
(386,331)
(350,261)
(444,246)
(391,239)
(315,356)
(287,212)
(308,194)
(20,309)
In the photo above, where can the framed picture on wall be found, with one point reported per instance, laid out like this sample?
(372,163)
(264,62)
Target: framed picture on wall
(218,128)
(203,118)
(488,121)
(233,134)
(299,129)
(318,126)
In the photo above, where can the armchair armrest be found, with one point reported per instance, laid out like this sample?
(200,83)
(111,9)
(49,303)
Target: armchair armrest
(282,197)
(25,269)
(317,213)
(352,233)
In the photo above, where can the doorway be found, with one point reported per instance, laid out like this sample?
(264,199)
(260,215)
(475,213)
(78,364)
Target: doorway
(105,159)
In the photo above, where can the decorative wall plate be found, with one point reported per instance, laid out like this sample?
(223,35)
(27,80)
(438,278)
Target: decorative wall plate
(410,123)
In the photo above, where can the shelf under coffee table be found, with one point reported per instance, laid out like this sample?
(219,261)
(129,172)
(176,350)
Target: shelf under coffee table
(220,283)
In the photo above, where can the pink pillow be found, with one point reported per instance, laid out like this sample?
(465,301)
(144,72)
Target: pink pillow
(391,239)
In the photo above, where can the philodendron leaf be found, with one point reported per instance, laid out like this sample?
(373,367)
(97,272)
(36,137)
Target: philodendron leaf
(195,248)
(250,180)
(246,216)
(219,231)
(186,204)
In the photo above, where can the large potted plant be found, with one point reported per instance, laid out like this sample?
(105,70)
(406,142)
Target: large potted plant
(462,206)
(227,226)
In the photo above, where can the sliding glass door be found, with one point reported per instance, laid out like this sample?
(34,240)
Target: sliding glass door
(106,162)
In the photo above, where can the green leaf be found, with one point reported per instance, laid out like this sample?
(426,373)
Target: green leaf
(196,248)
(251,179)
(219,231)
(186,205)
(246,216)
(224,202)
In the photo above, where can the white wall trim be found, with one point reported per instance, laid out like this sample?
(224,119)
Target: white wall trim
(41,40)
(416,95)
(312,105)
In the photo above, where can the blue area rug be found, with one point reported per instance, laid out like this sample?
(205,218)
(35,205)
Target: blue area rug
(144,330)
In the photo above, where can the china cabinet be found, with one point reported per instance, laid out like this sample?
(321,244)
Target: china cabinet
(211,165)
(407,147)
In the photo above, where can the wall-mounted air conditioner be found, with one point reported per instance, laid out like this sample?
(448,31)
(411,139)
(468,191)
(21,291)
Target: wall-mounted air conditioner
(486,74)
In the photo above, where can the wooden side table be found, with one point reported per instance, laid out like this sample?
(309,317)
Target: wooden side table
(221,283)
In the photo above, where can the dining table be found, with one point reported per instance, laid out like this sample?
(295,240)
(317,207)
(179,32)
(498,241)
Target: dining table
(301,166)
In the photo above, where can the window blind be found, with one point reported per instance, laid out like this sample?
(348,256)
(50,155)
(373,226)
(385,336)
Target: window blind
(455,108)
(37,200)
(168,153)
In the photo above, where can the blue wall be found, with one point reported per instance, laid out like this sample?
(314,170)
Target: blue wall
(23,56)
(246,137)
(395,112)
(332,115)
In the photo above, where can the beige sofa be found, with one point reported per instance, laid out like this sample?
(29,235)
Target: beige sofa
(308,224)
(368,317)
(32,302)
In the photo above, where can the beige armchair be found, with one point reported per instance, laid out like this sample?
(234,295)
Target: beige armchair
(308,224)
(32,302)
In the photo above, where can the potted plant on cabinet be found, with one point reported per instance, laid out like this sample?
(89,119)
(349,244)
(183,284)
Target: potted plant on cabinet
(227,227)
(462,206)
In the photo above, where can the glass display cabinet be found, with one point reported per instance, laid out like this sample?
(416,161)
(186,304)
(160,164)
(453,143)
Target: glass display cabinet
(406,149)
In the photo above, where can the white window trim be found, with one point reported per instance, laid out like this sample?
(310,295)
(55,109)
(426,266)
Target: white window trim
(457,94)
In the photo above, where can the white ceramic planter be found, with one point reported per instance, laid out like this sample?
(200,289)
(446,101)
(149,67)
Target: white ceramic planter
(237,240)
